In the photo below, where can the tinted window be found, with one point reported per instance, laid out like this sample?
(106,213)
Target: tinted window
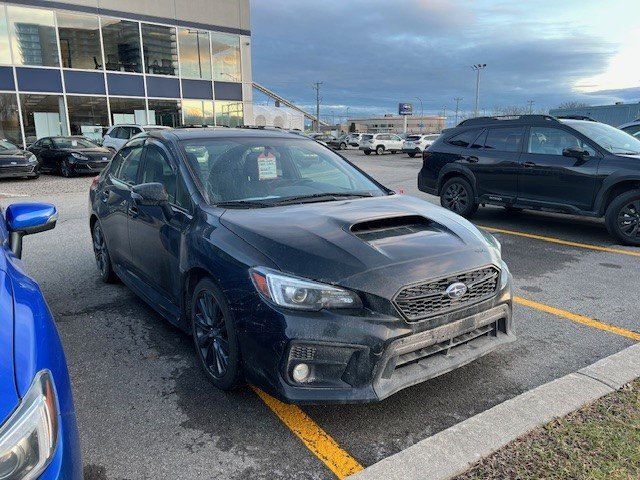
(504,139)
(464,139)
(552,141)
(122,133)
(157,169)
(633,130)
(128,171)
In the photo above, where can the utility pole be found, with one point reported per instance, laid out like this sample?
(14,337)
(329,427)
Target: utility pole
(477,67)
(530,102)
(316,87)
(457,99)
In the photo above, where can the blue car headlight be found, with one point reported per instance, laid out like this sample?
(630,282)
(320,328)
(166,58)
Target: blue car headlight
(299,293)
(79,156)
(29,438)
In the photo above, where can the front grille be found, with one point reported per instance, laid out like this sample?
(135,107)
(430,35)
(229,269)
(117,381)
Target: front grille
(17,169)
(302,352)
(97,164)
(417,302)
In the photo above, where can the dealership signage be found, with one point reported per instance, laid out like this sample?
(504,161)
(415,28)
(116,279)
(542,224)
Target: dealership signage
(405,109)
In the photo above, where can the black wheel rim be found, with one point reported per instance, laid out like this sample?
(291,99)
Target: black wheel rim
(212,340)
(456,198)
(65,169)
(100,249)
(629,220)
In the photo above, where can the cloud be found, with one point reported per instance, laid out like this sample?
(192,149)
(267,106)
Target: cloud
(373,54)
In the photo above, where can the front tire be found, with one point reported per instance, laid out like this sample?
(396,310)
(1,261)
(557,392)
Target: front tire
(379,150)
(101,252)
(343,146)
(457,196)
(214,336)
(65,169)
(367,152)
(623,218)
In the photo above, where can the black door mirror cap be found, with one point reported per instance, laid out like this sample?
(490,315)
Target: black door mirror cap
(153,194)
(576,152)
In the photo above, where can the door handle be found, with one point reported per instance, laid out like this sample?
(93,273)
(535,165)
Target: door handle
(528,164)
(472,159)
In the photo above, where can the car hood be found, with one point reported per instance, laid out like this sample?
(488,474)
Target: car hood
(8,392)
(96,150)
(376,245)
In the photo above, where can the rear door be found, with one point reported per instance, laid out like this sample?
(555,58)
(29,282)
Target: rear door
(548,178)
(494,160)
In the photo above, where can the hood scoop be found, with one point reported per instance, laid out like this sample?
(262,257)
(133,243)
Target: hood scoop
(393,227)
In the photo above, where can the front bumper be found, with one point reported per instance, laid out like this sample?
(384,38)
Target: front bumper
(366,359)
(18,171)
(93,166)
(412,150)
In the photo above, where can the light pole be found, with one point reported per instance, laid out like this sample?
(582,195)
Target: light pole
(421,124)
(477,67)
(457,99)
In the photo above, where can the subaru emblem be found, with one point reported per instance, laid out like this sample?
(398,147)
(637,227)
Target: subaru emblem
(456,290)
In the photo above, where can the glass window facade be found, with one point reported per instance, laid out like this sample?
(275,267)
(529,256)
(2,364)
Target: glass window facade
(9,119)
(79,41)
(43,116)
(229,114)
(33,35)
(197,112)
(5,52)
(160,49)
(226,57)
(128,110)
(165,112)
(88,116)
(121,45)
(195,53)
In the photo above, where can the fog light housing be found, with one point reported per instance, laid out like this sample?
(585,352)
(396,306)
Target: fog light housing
(301,372)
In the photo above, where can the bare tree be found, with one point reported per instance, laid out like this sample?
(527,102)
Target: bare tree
(573,104)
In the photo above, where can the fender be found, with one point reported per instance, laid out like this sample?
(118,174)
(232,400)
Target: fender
(460,170)
(610,182)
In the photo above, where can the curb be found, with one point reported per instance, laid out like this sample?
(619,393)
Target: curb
(454,450)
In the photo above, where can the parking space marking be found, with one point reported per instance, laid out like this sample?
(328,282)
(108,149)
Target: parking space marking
(578,318)
(560,241)
(319,442)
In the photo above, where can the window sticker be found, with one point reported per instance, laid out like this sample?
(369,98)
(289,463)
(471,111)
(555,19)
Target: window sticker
(267,166)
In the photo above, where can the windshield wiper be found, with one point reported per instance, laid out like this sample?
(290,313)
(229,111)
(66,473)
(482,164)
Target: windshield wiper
(330,196)
(243,204)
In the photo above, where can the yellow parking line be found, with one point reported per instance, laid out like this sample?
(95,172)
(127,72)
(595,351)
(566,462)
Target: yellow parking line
(578,318)
(314,438)
(560,241)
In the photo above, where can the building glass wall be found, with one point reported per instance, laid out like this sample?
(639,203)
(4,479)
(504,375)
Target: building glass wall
(33,35)
(66,96)
(9,119)
(79,41)
(195,53)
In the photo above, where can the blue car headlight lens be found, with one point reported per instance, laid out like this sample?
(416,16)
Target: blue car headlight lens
(301,294)
(79,156)
(28,439)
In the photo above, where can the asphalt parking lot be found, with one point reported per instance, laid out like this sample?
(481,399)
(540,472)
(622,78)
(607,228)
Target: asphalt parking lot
(146,411)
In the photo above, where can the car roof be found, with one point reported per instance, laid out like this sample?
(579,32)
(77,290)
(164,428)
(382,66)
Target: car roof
(220,132)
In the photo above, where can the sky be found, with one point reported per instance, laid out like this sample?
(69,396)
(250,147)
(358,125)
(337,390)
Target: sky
(373,54)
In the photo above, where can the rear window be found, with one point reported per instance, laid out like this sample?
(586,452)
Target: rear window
(413,138)
(367,137)
(464,139)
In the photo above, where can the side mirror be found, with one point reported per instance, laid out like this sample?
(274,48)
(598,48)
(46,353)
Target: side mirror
(575,152)
(27,219)
(152,194)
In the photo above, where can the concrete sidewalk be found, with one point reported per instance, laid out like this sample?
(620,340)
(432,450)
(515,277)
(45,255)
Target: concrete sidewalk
(452,451)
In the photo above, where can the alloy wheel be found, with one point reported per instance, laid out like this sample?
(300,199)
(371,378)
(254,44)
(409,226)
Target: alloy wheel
(629,220)
(212,339)
(100,249)
(456,198)
(65,170)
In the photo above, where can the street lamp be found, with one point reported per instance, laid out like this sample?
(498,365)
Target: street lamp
(421,113)
(477,67)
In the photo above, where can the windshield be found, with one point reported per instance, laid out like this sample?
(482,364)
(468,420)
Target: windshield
(608,137)
(413,138)
(6,145)
(73,143)
(267,171)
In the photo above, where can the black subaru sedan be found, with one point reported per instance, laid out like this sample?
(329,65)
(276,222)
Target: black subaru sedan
(69,156)
(292,269)
(15,162)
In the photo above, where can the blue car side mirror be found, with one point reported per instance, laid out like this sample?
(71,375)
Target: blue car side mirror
(27,219)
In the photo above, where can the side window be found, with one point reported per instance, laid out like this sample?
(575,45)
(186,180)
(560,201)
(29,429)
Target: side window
(464,139)
(479,142)
(112,133)
(128,171)
(633,130)
(158,169)
(552,141)
(46,143)
(122,133)
(506,139)
(134,131)
(396,138)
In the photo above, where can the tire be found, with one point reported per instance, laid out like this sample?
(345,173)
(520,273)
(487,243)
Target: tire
(457,195)
(623,218)
(101,252)
(343,146)
(379,150)
(214,336)
(65,169)
(367,152)
(412,154)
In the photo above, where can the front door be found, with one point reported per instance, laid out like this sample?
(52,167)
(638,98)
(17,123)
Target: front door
(156,234)
(548,178)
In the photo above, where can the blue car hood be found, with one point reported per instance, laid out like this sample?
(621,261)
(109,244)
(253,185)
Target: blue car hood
(8,393)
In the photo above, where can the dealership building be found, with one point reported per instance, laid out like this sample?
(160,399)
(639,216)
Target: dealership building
(75,67)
